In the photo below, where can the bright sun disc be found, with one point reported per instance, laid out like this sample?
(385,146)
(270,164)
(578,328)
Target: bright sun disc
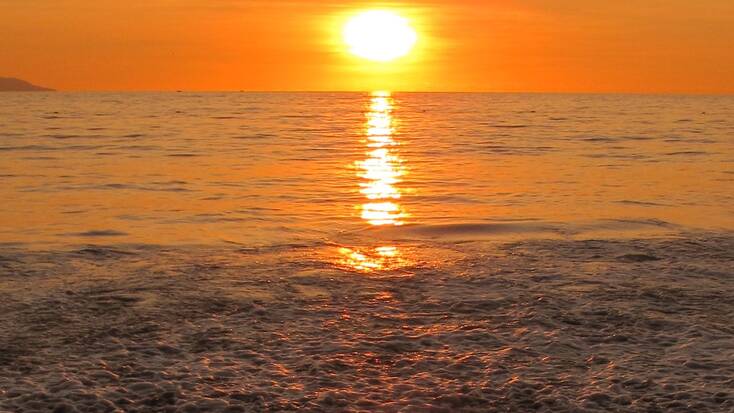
(379,35)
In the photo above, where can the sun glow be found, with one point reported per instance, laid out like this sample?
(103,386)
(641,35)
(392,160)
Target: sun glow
(379,35)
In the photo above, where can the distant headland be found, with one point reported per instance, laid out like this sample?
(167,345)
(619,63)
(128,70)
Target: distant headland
(10,84)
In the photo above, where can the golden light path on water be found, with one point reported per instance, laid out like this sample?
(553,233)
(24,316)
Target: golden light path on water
(382,170)
(380,175)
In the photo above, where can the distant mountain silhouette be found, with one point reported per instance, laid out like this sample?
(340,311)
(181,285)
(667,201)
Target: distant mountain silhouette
(10,84)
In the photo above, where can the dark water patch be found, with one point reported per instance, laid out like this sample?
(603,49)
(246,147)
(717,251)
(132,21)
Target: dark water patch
(78,147)
(466,231)
(183,155)
(690,140)
(450,199)
(600,139)
(166,189)
(39,158)
(638,157)
(63,136)
(636,223)
(174,182)
(134,135)
(103,252)
(642,203)
(509,126)
(115,186)
(688,153)
(251,109)
(140,147)
(300,116)
(229,184)
(215,218)
(310,130)
(153,186)
(98,233)
(257,209)
(255,136)
(507,150)
(637,258)
(129,217)
(326,148)
(27,148)
(262,134)
(638,138)
(555,182)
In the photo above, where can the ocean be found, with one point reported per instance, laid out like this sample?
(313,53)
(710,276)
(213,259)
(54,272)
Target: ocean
(234,252)
(270,168)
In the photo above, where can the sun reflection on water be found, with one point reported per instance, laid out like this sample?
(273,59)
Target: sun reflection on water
(380,174)
(372,259)
(382,170)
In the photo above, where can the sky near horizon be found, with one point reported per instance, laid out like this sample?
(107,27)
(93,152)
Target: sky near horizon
(673,46)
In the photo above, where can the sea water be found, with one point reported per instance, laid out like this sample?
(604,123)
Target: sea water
(264,169)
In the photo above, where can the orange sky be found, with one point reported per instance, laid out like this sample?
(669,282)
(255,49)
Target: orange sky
(465,45)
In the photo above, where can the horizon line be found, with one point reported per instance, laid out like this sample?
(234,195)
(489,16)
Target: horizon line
(499,92)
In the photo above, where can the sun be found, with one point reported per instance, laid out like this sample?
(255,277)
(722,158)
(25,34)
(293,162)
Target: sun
(379,35)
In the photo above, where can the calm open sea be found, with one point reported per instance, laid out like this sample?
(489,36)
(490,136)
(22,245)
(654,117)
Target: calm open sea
(264,169)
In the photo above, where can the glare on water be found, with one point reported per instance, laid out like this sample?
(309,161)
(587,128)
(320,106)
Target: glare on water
(372,259)
(382,170)
(380,175)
